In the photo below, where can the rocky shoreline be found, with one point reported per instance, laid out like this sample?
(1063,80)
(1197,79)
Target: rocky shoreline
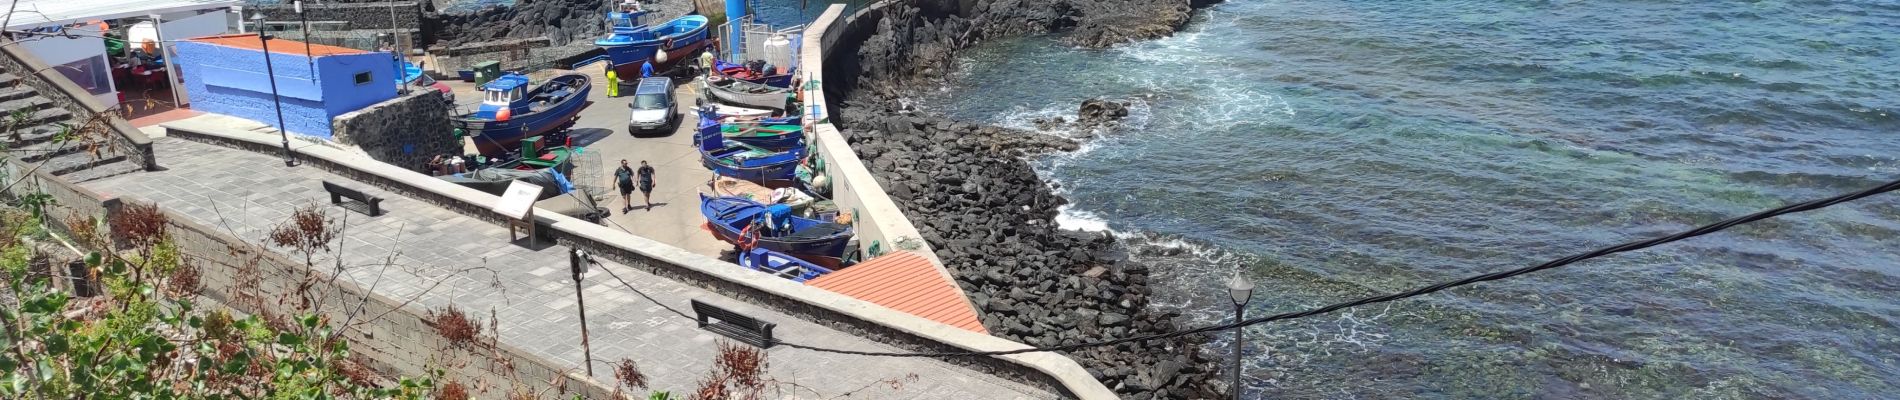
(990,218)
(983,208)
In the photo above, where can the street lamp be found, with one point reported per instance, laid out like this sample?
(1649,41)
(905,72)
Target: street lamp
(577,261)
(1240,290)
(270,73)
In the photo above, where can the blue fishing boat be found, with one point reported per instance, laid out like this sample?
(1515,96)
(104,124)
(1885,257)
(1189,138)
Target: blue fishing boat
(510,111)
(781,265)
(739,160)
(774,137)
(630,43)
(737,220)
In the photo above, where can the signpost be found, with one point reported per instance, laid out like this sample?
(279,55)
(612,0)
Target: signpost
(518,205)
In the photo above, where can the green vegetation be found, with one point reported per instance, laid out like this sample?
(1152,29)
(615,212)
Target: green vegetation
(143,337)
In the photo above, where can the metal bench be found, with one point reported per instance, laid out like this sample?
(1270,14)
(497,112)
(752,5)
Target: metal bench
(338,192)
(746,329)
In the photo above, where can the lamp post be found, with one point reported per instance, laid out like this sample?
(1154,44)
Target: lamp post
(577,262)
(263,38)
(1240,290)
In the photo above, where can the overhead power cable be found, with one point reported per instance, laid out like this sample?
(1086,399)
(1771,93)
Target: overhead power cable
(1625,247)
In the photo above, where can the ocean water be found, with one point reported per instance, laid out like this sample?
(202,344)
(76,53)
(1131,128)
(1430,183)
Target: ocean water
(1333,149)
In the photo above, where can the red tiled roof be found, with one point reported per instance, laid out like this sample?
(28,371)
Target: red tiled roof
(907,282)
(279,46)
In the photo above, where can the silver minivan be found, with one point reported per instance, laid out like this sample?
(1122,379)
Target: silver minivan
(653,108)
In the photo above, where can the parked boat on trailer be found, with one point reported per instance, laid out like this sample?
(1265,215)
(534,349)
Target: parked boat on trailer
(510,111)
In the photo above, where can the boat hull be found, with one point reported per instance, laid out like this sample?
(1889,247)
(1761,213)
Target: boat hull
(782,265)
(740,72)
(496,138)
(726,216)
(680,48)
(773,100)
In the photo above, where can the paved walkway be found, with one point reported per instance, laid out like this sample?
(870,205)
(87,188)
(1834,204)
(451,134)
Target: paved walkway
(529,290)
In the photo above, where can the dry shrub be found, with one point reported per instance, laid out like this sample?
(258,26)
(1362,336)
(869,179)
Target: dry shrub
(743,365)
(737,371)
(452,390)
(454,325)
(711,388)
(357,370)
(85,230)
(522,394)
(140,225)
(185,281)
(308,230)
(629,374)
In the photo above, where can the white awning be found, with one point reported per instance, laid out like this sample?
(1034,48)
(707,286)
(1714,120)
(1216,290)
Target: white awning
(36,13)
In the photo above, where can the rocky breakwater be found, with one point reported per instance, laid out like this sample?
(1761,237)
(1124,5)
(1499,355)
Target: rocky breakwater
(991,219)
(564,23)
(914,42)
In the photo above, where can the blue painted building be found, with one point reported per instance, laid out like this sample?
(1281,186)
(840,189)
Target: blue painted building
(227,76)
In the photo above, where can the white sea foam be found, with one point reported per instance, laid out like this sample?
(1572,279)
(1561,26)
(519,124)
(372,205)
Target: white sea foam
(1067,217)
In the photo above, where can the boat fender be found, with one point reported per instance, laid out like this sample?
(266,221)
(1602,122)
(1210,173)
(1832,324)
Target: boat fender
(821,182)
(659,56)
(504,114)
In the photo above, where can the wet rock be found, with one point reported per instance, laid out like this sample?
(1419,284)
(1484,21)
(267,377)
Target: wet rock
(1098,111)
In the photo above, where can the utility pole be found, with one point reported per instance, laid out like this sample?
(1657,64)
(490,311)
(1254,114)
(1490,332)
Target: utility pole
(577,261)
(402,87)
(263,38)
(310,61)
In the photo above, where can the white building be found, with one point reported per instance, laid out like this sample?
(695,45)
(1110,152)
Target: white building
(80,53)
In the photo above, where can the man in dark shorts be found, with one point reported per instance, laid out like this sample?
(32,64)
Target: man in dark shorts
(623,178)
(646,183)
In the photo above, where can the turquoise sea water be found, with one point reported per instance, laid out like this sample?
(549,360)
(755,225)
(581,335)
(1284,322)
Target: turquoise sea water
(1332,149)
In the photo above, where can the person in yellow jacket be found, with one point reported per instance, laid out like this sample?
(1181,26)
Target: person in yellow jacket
(613,83)
(706,62)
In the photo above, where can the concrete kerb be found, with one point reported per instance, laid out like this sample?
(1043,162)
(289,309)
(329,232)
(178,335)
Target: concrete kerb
(1050,371)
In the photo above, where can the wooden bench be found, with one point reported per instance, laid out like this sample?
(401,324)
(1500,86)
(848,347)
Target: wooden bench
(338,192)
(746,329)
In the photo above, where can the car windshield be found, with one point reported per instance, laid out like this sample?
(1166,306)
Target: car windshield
(649,101)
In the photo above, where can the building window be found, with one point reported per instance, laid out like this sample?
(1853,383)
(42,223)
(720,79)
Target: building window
(362,78)
(89,73)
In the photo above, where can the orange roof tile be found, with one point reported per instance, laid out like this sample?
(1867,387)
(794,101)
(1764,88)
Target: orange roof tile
(904,281)
(279,46)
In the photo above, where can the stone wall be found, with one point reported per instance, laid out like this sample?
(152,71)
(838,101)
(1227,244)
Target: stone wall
(406,14)
(514,54)
(393,338)
(405,131)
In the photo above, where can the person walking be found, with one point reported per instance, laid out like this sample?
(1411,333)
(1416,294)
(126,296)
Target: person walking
(623,177)
(613,83)
(646,69)
(706,62)
(646,183)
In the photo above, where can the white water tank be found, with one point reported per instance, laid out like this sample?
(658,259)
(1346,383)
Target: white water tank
(142,36)
(778,51)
